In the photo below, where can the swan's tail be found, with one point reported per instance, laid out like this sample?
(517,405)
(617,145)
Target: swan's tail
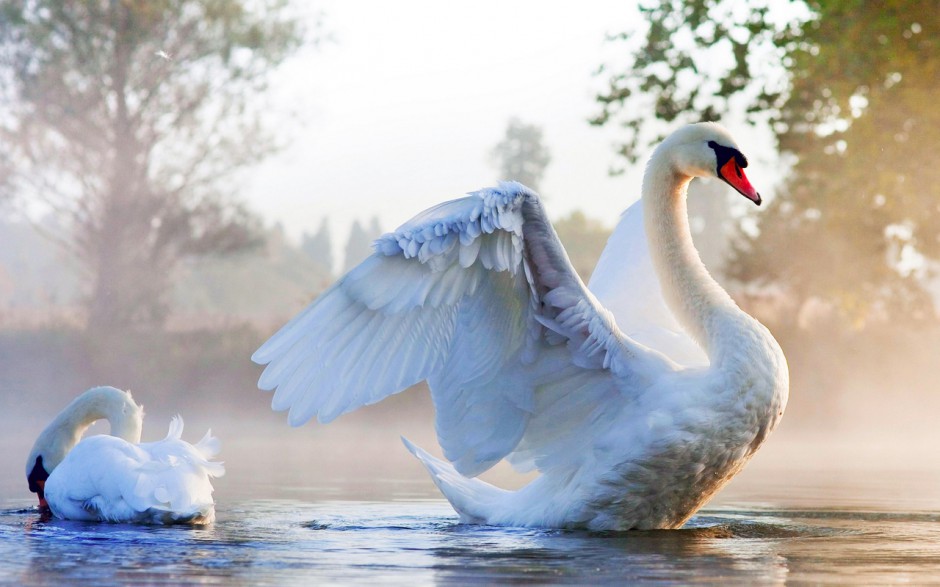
(476,501)
(202,452)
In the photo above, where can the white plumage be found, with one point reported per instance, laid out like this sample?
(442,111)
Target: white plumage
(116,478)
(636,399)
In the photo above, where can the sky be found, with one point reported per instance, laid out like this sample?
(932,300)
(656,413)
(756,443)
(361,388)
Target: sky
(401,107)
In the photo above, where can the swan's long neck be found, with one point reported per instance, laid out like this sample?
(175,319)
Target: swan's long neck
(63,433)
(694,297)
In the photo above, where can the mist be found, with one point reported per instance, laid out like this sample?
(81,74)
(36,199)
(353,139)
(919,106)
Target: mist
(863,389)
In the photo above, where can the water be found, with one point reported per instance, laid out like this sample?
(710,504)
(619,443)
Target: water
(309,511)
(419,542)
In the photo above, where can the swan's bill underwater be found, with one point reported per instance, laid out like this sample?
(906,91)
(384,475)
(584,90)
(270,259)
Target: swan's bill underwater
(37,481)
(636,397)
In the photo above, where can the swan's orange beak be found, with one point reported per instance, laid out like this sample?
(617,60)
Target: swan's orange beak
(37,483)
(43,504)
(732,173)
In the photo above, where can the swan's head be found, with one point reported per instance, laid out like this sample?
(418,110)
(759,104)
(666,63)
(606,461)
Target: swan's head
(706,149)
(38,470)
(64,432)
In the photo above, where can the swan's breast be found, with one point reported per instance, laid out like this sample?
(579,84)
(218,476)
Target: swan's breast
(684,441)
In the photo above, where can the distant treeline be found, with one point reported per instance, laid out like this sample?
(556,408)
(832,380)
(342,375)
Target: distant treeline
(41,285)
(225,307)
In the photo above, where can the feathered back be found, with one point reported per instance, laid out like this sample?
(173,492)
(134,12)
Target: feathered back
(105,478)
(172,482)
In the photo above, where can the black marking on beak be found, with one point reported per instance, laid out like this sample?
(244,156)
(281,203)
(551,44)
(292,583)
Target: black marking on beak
(37,477)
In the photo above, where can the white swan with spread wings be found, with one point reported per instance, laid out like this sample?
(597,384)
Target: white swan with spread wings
(636,398)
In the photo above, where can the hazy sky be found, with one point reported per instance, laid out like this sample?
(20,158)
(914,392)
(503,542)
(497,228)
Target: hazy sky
(402,108)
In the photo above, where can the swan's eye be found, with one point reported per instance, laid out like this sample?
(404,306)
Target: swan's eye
(725,154)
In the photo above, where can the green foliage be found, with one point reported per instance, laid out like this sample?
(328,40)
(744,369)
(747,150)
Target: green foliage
(199,369)
(128,120)
(584,239)
(220,291)
(852,102)
(39,287)
(695,56)
(521,156)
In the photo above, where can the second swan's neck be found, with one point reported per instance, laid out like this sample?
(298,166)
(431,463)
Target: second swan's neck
(694,297)
(63,433)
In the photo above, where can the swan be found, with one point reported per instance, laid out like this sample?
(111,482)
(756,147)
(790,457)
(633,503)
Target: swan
(117,478)
(636,398)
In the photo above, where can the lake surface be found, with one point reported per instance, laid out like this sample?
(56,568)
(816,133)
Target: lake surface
(418,542)
(308,511)
(288,542)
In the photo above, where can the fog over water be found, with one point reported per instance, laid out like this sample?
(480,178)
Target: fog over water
(883,458)
(397,109)
(346,503)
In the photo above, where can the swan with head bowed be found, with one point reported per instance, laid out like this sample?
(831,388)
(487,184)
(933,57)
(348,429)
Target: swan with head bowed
(636,398)
(116,478)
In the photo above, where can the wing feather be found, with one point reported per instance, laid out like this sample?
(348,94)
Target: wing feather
(483,400)
(478,296)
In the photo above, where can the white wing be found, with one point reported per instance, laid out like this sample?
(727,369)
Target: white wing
(477,296)
(626,284)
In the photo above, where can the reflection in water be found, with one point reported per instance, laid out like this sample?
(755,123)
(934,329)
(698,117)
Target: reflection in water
(802,516)
(291,542)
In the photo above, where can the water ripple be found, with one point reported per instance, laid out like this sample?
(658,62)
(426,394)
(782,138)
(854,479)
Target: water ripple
(293,542)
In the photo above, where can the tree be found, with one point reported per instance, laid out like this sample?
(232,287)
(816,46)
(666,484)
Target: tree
(129,120)
(224,290)
(851,104)
(521,156)
(319,247)
(359,243)
(584,239)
